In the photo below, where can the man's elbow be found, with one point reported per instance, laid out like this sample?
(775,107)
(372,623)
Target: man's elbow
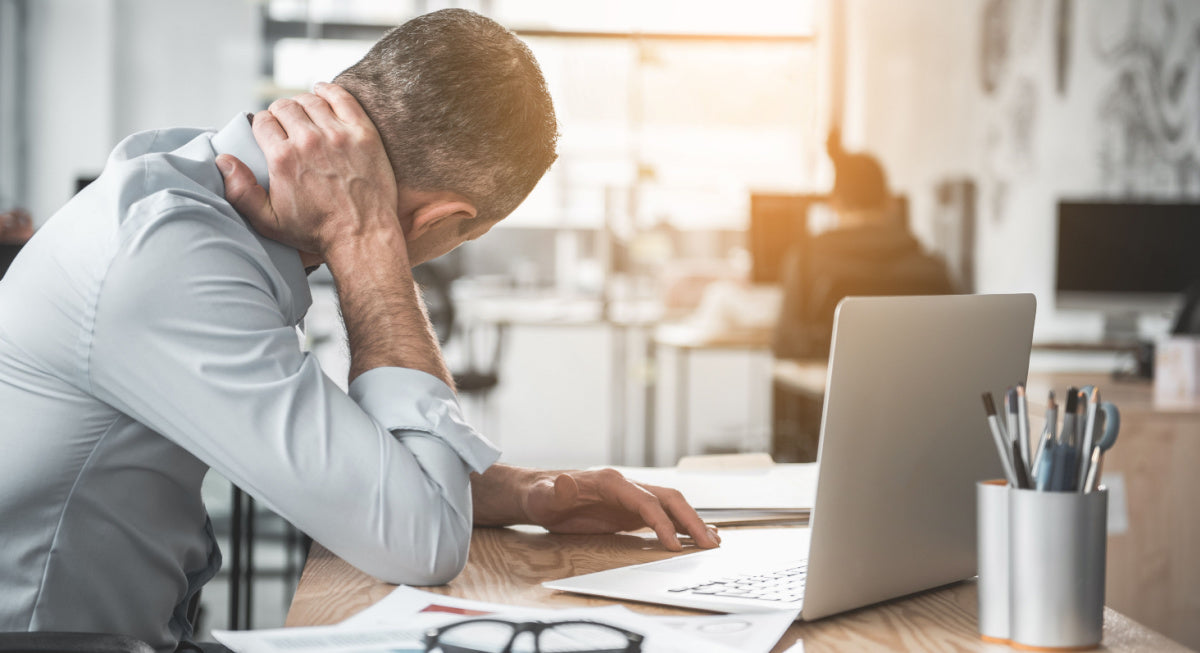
(441,570)
(433,555)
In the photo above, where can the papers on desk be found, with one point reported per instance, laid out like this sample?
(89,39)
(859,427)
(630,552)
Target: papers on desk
(739,489)
(398,623)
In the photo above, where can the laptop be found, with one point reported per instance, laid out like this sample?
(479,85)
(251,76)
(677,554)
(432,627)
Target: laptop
(903,441)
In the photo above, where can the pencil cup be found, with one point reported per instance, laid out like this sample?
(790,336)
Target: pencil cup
(1057,550)
(991,514)
(1041,566)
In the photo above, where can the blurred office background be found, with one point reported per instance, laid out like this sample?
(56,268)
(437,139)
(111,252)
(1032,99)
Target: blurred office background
(624,314)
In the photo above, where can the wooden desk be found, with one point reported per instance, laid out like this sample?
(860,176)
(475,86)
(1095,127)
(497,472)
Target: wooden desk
(509,565)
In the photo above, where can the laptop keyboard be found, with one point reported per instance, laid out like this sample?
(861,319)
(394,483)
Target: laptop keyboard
(784,585)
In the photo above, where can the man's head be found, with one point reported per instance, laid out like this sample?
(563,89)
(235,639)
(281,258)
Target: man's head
(860,184)
(465,116)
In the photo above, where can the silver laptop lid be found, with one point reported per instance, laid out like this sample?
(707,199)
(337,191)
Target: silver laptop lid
(903,440)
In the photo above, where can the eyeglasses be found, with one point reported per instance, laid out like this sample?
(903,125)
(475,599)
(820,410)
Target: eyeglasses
(501,636)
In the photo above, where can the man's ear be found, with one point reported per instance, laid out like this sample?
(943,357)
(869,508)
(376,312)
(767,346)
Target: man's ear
(435,208)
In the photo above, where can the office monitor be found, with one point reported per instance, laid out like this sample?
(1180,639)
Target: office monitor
(1125,259)
(777,222)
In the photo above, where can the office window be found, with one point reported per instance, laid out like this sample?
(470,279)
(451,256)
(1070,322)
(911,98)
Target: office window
(670,112)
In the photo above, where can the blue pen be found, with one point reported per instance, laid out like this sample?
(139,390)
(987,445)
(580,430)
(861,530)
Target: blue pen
(1047,436)
(1045,467)
(1064,463)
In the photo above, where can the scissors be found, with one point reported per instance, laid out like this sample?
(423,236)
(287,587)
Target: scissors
(1109,424)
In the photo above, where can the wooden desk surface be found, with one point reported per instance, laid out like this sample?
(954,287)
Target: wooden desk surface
(509,565)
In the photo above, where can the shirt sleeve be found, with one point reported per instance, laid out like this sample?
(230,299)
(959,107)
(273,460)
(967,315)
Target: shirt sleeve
(190,339)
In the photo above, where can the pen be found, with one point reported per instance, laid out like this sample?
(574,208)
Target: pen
(1089,434)
(1068,425)
(1045,471)
(1080,416)
(1019,467)
(1047,437)
(1000,439)
(1063,464)
(1010,414)
(1052,416)
(1020,456)
(1023,425)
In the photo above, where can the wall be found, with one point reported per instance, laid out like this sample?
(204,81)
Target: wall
(102,69)
(1034,100)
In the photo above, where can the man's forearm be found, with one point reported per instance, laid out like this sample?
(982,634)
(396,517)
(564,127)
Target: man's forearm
(385,318)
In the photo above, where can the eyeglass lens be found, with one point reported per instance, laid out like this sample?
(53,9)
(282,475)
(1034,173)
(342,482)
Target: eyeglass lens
(494,637)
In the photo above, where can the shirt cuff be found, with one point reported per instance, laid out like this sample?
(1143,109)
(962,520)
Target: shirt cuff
(402,399)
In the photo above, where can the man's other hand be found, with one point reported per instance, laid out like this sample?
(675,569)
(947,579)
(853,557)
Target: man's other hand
(604,501)
(331,180)
(16,227)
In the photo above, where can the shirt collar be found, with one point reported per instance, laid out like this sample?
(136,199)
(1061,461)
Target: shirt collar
(237,139)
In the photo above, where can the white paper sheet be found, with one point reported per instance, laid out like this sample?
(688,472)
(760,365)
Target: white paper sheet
(397,623)
(777,487)
(741,632)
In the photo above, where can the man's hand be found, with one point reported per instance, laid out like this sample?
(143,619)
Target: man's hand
(599,501)
(333,193)
(331,182)
(16,227)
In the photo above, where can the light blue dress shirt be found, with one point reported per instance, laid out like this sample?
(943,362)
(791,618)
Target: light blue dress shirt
(148,334)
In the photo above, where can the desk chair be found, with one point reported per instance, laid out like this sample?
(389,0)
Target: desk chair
(7,254)
(55,642)
(241,566)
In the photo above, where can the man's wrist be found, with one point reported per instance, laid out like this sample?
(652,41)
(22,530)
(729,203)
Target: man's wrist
(346,252)
(502,494)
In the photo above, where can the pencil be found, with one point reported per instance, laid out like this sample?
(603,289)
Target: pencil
(1089,438)
(1039,456)
(1002,446)
(1023,426)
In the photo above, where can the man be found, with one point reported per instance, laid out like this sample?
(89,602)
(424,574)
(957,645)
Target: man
(148,334)
(870,252)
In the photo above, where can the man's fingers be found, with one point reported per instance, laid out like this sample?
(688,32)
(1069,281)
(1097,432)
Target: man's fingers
(685,516)
(318,110)
(344,105)
(244,193)
(267,130)
(637,499)
(651,512)
(292,117)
